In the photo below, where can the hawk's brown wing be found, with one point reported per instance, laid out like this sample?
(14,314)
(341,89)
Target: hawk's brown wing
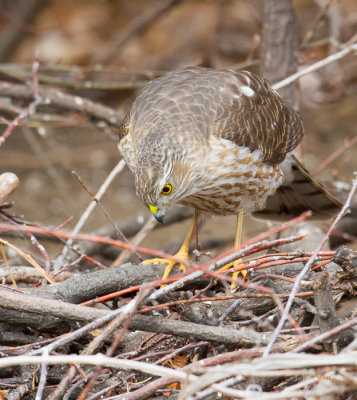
(251,114)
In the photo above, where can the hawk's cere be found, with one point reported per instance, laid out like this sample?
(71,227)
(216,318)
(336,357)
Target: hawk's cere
(221,142)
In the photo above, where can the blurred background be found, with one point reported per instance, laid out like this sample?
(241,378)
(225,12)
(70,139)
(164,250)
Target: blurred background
(105,50)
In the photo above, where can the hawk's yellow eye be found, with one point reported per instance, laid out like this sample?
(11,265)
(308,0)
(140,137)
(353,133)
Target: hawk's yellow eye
(167,189)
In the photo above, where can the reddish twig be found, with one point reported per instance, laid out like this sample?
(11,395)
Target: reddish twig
(266,264)
(91,238)
(231,255)
(348,47)
(320,265)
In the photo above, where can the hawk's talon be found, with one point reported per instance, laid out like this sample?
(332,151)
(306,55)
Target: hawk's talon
(181,254)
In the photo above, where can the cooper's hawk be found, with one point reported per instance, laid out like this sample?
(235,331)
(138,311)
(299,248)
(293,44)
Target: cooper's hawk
(221,142)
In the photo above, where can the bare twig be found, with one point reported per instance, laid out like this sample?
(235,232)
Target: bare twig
(42,382)
(326,335)
(29,259)
(347,49)
(34,241)
(155,295)
(7,265)
(110,328)
(74,76)
(105,212)
(139,237)
(276,365)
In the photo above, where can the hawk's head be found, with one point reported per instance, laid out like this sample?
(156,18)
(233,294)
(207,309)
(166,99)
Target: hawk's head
(165,174)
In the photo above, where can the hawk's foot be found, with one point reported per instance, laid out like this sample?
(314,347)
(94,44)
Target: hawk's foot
(182,254)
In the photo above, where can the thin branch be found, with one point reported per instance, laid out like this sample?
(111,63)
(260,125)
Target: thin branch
(150,224)
(109,179)
(43,378)
(350,48)
(29,258)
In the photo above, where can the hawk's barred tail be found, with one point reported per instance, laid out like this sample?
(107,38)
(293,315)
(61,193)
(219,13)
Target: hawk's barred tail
(303,193)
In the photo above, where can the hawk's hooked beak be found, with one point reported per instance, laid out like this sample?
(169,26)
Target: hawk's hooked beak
(158,214)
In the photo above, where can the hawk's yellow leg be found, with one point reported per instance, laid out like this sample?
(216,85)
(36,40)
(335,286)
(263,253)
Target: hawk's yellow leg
(182,253)
(237,243)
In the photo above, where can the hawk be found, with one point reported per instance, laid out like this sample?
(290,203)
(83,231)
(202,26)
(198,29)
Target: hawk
(221,142)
